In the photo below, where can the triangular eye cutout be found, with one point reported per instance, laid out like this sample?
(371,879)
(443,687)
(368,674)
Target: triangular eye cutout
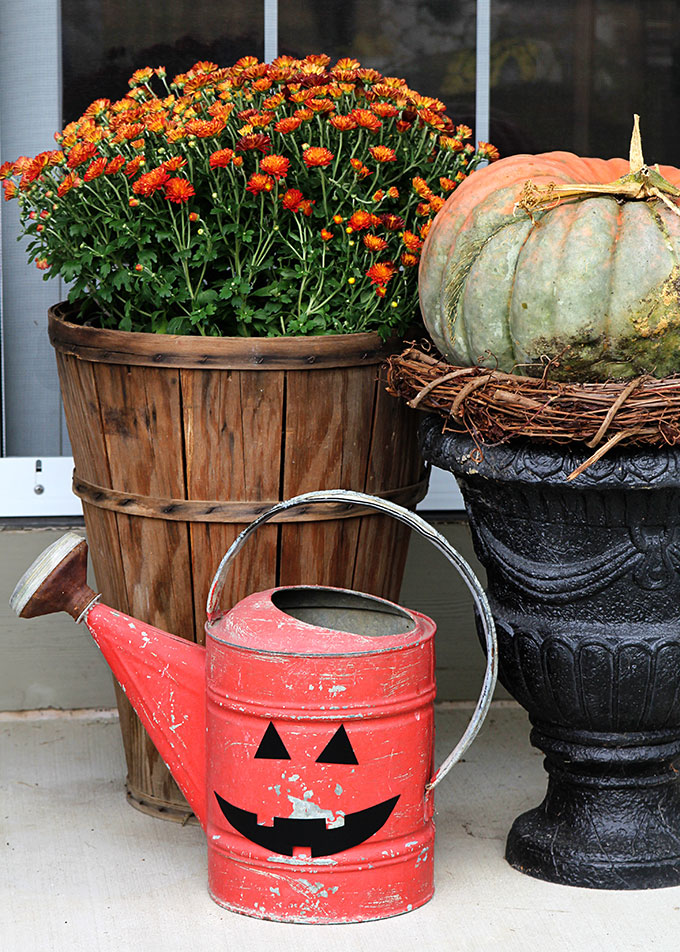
(338,750)
(271,746)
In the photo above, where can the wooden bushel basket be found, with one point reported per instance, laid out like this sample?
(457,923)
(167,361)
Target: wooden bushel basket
(179,442)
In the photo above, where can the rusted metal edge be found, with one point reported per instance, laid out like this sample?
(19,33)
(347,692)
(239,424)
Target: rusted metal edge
(232,511)
(99,345)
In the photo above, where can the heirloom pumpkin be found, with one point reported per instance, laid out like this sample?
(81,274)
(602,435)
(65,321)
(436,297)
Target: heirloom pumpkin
(544,256)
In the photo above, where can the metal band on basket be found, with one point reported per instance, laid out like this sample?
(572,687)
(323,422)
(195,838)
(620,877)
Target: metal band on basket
(234,511)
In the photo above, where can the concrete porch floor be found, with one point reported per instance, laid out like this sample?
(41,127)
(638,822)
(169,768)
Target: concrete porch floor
(82,870)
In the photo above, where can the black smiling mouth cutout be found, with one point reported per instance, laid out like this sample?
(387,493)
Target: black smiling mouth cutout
(287,833)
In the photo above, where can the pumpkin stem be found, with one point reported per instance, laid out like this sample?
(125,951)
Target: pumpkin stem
(640,184)
(637,161)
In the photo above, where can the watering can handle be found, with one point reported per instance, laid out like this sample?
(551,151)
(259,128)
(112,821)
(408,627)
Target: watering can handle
(416,522)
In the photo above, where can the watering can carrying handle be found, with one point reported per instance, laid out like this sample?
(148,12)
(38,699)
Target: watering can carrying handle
(416,522)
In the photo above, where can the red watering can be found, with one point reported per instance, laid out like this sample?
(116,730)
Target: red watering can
(302,734)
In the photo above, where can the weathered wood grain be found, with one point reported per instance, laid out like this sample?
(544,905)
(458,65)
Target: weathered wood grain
(186,419)
(233,425)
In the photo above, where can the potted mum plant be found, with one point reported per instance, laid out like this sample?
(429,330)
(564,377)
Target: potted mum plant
(241,246)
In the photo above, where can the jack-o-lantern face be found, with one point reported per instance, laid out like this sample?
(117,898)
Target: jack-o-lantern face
(288,833)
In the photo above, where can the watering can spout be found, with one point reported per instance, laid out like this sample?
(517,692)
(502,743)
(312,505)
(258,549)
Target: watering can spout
(163,676)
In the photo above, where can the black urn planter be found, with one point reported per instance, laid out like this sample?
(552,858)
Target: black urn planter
(584,585)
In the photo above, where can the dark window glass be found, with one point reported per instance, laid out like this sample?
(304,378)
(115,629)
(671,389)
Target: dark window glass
(429,43)
(569,74)
(105,41)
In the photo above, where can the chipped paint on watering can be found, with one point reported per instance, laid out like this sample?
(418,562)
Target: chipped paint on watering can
(301,735)
(321,749)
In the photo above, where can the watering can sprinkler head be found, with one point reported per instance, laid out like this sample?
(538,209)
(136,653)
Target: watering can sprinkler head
(56,581)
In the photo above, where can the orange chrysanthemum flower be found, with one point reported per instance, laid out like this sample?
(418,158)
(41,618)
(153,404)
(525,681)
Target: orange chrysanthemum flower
(374,243)
(489,151)
(81,152)
(360,169)
(403,126)
(447,184)
(175,163)
(34,169)
(292,199)
(175,134)
(383,153)
(276,165)
(450,144)
(261,120)
(6,169)
(360,220)
(304,115)
(321,105)
(151,181)
(95,169)
(97,108)
(421,188)
(432,118)
(342,123)
(306,206)
(317,157)
(205,128)
(178,190)
(390,88)
(258,183)
(11,190)
(273,102)
(40,263)
(21,165)
(67,183)
(423,208)
(393,192)
(436,203)
(424,229)
(221,158)
(137,144)
(381,272)
(288,125)
(384,110)
(133,166)
(258,140)
(408,260)
(366,119)
(412,242)
(140,76)
(378,196)
(381,291)
(326,234)
(115,165)
(465,132)
(128,131)
(346,63)
(221,110)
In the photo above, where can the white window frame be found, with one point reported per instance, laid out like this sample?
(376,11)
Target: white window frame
(41,486)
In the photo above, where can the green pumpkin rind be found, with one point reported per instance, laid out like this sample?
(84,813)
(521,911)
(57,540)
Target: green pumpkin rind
(593,281)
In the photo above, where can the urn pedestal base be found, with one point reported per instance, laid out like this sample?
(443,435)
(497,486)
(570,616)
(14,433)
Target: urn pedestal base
(584,586)
(611,816)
